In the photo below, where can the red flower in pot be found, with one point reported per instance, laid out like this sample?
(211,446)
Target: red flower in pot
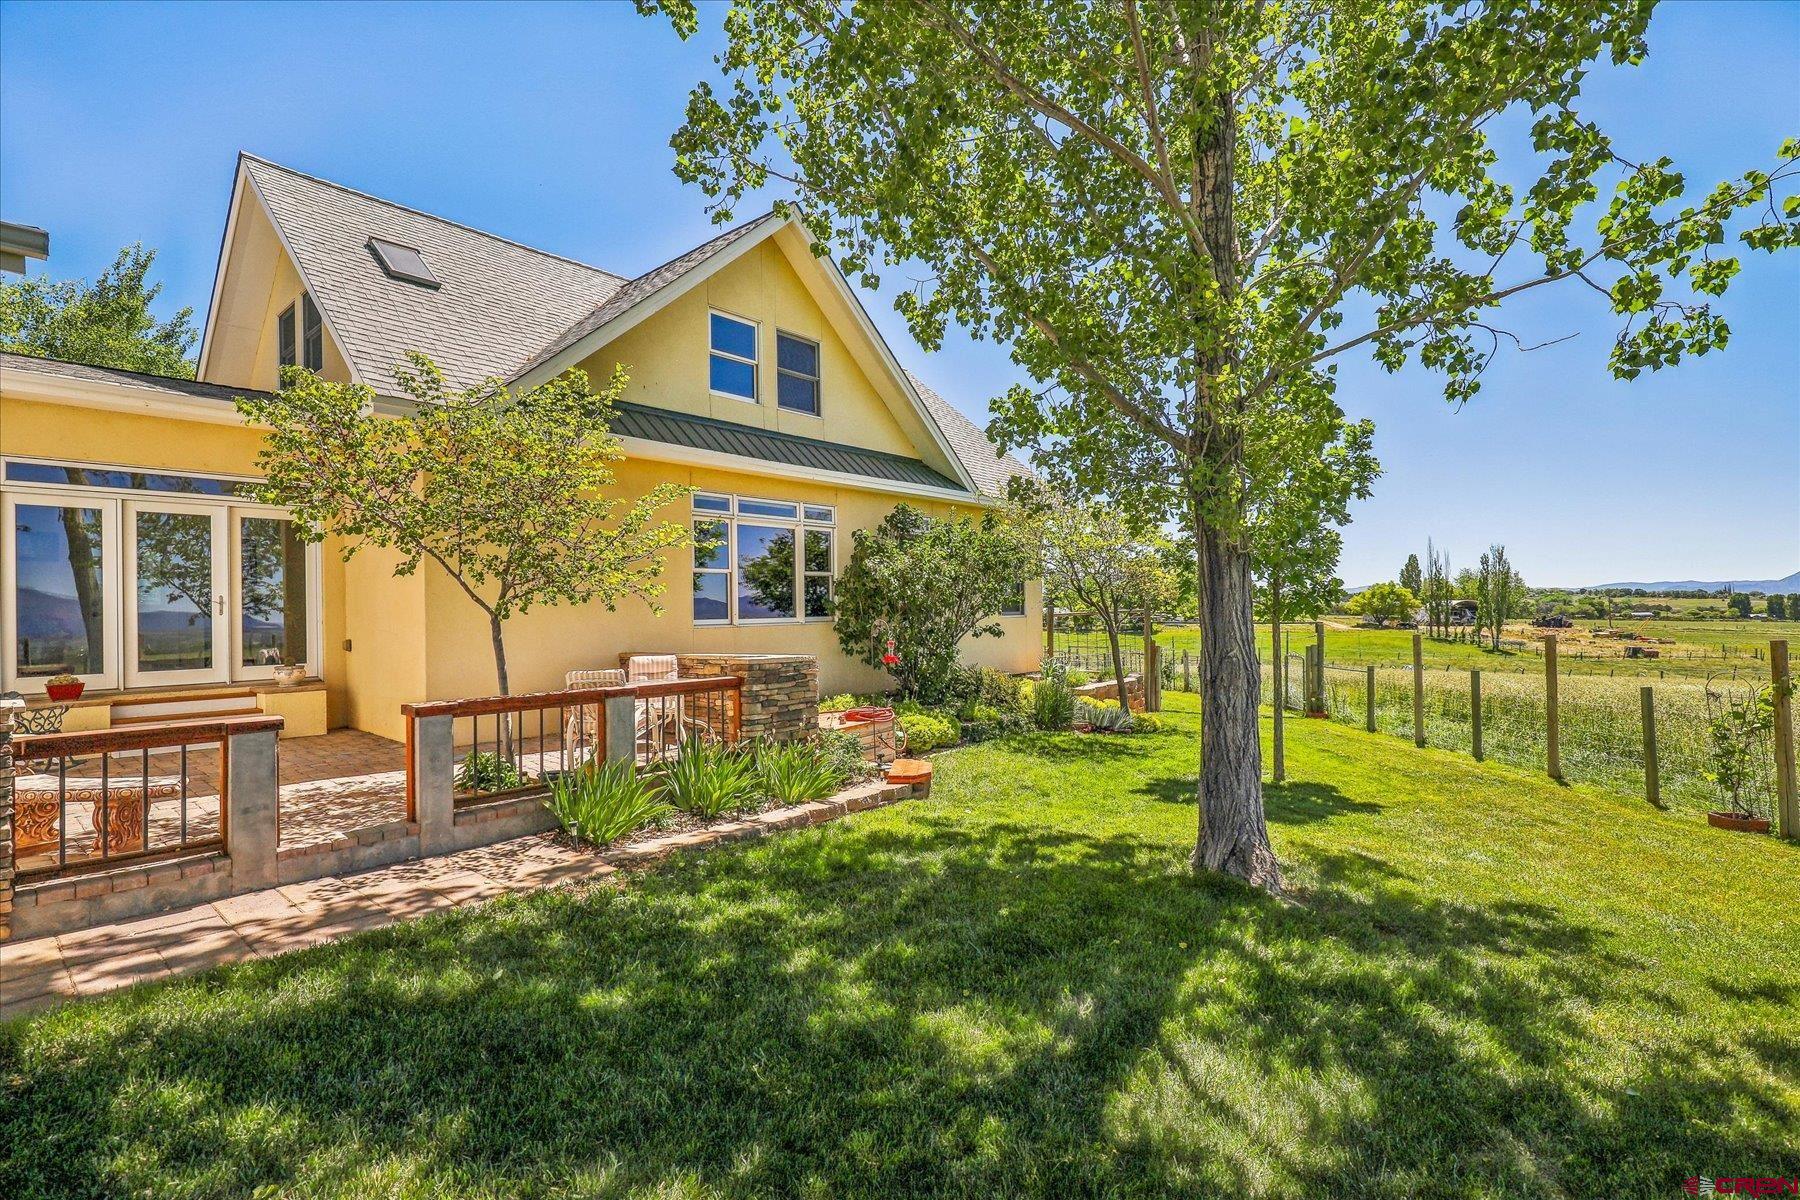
(64,687)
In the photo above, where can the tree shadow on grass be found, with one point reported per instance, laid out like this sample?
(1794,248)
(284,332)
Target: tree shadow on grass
(1283,803)
(931,1007)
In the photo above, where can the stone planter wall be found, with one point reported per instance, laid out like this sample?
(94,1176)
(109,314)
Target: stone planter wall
(1107,689)
(781,691)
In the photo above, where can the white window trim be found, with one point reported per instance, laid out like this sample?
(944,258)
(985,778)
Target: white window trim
(111,502)
(754,364)
(818,378)
(798,524)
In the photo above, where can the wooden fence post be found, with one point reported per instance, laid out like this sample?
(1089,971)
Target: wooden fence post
(1187,673)
(1782,684)
(1369,697)
(1418,689)
(1152,677)
(1319,641)
(1652,785)
(1049,626)
(1475,709)
(1552,729)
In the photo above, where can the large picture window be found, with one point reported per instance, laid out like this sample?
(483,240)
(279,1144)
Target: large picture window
(732,366)
(134,579)
(761,560)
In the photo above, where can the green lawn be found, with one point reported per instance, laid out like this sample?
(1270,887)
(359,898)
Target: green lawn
(1486,985)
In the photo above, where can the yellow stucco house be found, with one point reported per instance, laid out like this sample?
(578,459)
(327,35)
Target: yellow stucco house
(134,559)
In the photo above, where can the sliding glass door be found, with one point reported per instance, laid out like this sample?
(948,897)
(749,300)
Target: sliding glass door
(271,609)
(175,576)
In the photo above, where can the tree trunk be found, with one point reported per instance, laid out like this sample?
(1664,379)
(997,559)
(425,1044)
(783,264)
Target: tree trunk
(1233,836)
(1118,656)
(494,631)
(1277,680)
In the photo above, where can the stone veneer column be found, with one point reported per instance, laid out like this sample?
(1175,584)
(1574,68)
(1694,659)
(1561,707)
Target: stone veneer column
(781,691)
(7,709)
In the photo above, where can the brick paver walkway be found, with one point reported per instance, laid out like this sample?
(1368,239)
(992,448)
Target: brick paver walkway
(40,972)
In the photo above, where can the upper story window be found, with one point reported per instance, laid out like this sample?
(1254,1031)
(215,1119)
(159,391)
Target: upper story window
(287,344)
(313,341)
(733,363)
(1015,602)
(797,374)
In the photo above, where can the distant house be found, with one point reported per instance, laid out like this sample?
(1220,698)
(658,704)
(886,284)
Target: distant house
(1463,612)
(1641,614)
(1553,621)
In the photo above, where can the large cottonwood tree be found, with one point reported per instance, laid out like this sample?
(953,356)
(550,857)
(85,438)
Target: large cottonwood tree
(1170,209)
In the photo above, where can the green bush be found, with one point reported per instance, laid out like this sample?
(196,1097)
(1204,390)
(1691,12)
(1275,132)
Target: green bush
(1145,722)
(1052,705)
(604,804)
(485,771)
(929,730)
(1079,678)
(844,751)
(795,772)
(835,704)
(1000,690)
(709,780)
(1001,725)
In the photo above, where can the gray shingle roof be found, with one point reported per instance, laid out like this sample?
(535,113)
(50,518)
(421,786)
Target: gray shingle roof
(115,375)
(643,287)
(498,305)
(747,441)
(990,469)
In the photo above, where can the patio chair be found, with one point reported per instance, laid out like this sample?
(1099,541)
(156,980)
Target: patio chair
(659,721)
(585,727)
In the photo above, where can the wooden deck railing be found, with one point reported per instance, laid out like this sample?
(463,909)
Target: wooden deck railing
(514,745)
(86,801)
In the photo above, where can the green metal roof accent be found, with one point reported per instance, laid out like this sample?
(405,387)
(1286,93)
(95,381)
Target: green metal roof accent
(766,445)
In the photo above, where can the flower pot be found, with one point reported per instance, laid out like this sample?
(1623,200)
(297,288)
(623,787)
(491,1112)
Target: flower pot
(65,691)
(289,676)
(1742,824)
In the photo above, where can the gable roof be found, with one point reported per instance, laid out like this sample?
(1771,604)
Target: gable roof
(984,462)
(498,302)
(508,310)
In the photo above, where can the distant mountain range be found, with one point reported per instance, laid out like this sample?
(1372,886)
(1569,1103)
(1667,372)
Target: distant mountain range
(1790,584)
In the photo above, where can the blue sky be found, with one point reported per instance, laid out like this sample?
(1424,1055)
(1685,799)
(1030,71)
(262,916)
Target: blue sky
(549,124)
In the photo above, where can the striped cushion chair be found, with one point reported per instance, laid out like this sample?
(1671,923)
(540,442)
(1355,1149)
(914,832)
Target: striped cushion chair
(583,730)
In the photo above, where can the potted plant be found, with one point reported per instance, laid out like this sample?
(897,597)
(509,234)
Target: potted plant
(64,687)
(1735,742)
(289,673)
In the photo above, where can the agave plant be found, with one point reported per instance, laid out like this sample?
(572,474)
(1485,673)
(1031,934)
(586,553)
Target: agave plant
(798,771)
(1104,718)
(709,779)
(603,803)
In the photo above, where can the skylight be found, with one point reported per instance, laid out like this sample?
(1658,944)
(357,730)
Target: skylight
(402,262)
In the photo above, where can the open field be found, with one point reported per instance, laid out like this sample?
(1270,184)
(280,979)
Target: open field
(1698,648)
(1485,985)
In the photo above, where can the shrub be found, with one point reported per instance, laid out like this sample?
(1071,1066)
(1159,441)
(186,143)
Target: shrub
(1106,716)
(602,804)
(795,772)
(709,780)
(1146,722)
(844,751)
(1000,690)
(485,771)
(842,703)
(1000,725)
(929,730)
(1052,706)
(1079,678)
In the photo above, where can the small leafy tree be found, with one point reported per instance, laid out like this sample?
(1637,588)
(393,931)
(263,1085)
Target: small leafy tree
(1092,555)
(506,491)
(1412,578)
(926,584)
(1739,604)
(1385,602)
(1499,591)
(1777,606)
(107,323)
(1737,754)
(1440,590)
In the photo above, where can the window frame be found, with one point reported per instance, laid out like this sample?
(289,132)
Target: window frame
(799,524)
(287,339)
(816,378)
(119,603)
(1007,609)
(312,334)
(755,364)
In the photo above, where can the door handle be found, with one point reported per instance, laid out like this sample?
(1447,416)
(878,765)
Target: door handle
(219,603)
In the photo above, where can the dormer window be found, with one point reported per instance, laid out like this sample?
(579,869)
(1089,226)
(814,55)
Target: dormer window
(732,369)
(797,374)
(312,339)
(402,262)
(286,341)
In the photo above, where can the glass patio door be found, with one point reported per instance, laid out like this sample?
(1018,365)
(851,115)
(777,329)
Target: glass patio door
(176,594)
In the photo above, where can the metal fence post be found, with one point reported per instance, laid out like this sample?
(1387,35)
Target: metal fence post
(1552,728)
(1787,802)
(1652,785)
(1369,697)
(1475,709)
(1418,689)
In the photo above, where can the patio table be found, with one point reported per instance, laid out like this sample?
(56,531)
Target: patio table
(37,807)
